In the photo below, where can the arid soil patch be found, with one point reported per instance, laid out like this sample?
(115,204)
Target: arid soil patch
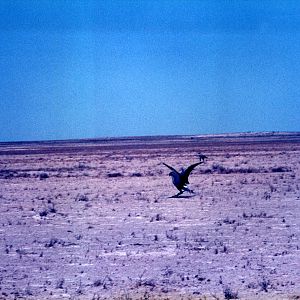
(93,220)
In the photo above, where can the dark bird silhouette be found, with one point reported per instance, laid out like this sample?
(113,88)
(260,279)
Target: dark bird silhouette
(202,157)
(181,180)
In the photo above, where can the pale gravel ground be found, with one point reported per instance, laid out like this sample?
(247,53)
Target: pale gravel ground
(80,234)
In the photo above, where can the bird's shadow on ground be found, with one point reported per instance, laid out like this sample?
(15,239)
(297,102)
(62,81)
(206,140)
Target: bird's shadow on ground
(183,197)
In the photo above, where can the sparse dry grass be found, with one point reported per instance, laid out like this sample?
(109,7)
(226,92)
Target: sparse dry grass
(99,224)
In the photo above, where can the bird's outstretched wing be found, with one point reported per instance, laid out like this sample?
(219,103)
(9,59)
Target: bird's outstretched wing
(170,168)
(188,171)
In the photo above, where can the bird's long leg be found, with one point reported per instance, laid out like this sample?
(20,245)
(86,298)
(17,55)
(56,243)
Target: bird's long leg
(177,195)
(188,190)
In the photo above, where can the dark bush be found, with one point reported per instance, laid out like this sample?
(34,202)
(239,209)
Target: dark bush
(6,174)
(81,197)
(43,176)
(51,243)
(136,175)
(264,284)
(229,294)
(114,175)
(280,169)
(43,213)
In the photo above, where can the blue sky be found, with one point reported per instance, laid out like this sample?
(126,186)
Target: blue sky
(85,69)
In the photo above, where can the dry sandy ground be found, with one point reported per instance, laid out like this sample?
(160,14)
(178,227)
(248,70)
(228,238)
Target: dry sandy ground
(93,219)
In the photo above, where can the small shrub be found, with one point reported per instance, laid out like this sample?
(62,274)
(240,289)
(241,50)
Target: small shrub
(228,221)
(267,196)
(52,209)
(272,188)
(43,213)
(28,291)
(81,197)
(225,250)
(264,284)
(21,252)
(7,174)
(219,169)
(158,217)
(229,294)
(82,166)
(98,282)
(43,176)
(171,236)
(136,175)
(114,174)
(60,283)
(105,282)
(149,283)
(51,243)
(280,169)
(23,174)
(46,211)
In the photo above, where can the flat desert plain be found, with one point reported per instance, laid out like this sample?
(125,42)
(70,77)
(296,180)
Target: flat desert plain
(93,219)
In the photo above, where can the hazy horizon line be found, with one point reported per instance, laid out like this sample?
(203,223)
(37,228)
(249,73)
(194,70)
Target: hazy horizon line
(128,137)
